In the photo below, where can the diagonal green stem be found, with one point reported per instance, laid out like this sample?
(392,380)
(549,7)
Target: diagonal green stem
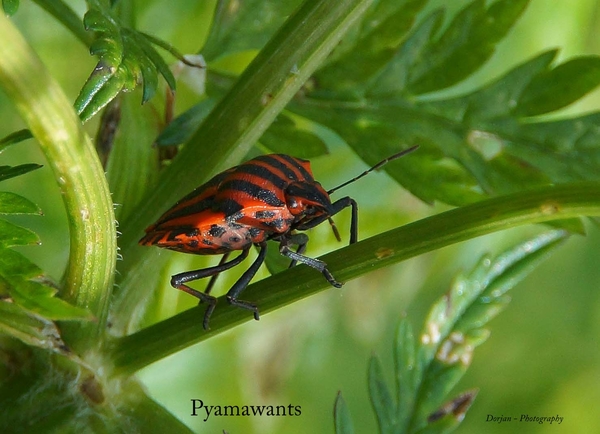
(135,351)
(71,155)
(233,127)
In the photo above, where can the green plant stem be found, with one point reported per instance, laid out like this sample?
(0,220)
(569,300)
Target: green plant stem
(135,351)
(71,155)
(232,128)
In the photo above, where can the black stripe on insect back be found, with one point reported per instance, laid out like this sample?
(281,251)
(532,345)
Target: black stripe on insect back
(279,165)
(267,196)
(292,162)
(264,173)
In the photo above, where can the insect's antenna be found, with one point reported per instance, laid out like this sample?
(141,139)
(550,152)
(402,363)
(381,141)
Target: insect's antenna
(375,167)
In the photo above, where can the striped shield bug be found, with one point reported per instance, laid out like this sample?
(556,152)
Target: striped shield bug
(270,197)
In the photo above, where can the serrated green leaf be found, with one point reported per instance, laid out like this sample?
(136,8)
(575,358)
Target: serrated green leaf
(153,56)
(341,414)
(10,6)
(13,138)
(11,203)
(465,45)
(393,79)
(383,31)
(381,398)
(14,265)
(30,328)
(454,325)
(471,145)
(7,172)
(40,299)
(183,126)
(13,235)
(560,86)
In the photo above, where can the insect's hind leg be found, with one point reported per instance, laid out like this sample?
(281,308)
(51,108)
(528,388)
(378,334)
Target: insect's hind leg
(321,266)
(178,281)
(242,283)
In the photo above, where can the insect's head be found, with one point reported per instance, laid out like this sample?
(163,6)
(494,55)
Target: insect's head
(307,201)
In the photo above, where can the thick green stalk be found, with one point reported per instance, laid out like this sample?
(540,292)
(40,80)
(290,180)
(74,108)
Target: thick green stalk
(233,127)
(80,177)
(133,352)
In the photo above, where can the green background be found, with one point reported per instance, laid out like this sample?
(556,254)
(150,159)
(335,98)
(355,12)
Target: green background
(543,357)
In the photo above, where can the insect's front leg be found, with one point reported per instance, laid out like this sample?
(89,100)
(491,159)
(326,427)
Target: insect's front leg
(284,249)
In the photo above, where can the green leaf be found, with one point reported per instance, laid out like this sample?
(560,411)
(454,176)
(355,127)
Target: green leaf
(182,128)
(241,26)
(30,328)
(381,398)
(407,372)
(468,42)
(455,324)
(126,58)
(10,6)
(7,172)
(16,137)
(558,87)
(40,299)
(11,203)
(383,29)
(341,416)
(13,235)
(15,265)
(472,145)
(152,55)
(290,135)
(447,418)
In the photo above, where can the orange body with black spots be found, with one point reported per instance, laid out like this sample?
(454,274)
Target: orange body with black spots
(241,206)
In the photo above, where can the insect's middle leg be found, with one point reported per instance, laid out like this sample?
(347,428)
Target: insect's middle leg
(242,283)
(178,281)
(321,266)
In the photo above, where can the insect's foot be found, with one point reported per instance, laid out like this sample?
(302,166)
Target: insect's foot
(208,313)
(331,279)
(244,305)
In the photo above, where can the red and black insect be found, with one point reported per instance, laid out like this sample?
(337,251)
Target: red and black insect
(266,198)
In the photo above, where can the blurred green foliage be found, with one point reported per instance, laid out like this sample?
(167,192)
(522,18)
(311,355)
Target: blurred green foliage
(540,359)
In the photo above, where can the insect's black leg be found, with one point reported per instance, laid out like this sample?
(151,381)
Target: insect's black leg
(321,266)
(178,281)
(242,283)
(300,240)
(213,278)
